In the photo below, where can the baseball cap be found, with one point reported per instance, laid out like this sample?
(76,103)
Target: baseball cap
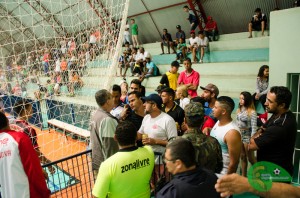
(193,109)
(209,18)
(160,87)
(212,88)
(192,32)
(178,26)
(175,64)
(155,98)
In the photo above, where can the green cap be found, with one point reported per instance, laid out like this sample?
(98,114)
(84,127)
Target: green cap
(193,109)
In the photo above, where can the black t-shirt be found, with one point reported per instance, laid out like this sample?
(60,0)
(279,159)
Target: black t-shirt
(167,37)
(135,119)
(277,142)
(260,18)
(176,112)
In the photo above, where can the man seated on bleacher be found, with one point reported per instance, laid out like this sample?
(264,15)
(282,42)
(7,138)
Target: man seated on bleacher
(141,61)
(167,41)
(258,22)
(194,45)
(211,29)
(151,69)
(203,46)
(127,173)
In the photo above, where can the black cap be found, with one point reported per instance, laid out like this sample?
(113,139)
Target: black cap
(178,26)
(155,98)
(175,64)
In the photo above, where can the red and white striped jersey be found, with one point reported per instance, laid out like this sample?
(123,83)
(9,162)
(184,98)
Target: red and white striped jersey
(20,169)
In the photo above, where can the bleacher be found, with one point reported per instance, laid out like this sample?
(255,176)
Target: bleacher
(232,64)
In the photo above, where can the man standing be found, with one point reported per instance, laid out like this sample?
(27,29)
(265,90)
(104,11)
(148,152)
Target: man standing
(171,108)
(210,94)
(134,112)
(189,180)
(275,140)
(192,17)
(134,33)
(170,78)
(20,168)
(103,126)
(227,133)
(157,125)
(258,22)
(128,172)
(190,78)
(117,103)
(209,152)
(211,28)
(167,40)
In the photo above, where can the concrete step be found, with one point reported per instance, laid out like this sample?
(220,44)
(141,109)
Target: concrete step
(241,35)
(246,43)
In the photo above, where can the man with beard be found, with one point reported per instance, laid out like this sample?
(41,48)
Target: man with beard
(275,140)
(210,94)
(157,126)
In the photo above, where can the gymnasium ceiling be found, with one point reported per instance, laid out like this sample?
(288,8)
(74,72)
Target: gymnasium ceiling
(27,23)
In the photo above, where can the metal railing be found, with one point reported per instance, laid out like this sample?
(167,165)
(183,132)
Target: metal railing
(73,176)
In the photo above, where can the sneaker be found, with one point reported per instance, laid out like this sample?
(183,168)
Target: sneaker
(201,61)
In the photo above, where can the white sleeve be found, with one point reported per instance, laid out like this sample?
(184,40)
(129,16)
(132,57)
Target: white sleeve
(171,129)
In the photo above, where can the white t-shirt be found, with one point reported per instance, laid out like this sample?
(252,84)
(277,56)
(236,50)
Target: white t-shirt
(116,112)
(57,65)
(184,102)
(143,56)
(93,39)
(162,127)
(195,40)
(204,41)
(126,32)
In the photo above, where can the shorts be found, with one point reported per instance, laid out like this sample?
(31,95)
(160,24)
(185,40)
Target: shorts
(246,135)
(256,26)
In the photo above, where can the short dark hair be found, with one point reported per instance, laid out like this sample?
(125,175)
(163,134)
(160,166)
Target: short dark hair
(283,95)
(132,19)
(165,30)
(195,121)
(116,88)
(3,121)
(169,91)
(137,82)
(188,59)
(200,32)
(126,133)
(20,106)
(186,7)
(227,103)
(102,96)
(183,150)
(257,10)
(136,93)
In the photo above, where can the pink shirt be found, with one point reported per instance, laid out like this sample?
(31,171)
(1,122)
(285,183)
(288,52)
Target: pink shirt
(193,78)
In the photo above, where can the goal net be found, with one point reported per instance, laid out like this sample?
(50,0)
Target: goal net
(56,54)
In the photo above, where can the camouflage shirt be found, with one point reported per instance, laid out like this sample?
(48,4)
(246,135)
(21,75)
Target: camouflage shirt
(208,150)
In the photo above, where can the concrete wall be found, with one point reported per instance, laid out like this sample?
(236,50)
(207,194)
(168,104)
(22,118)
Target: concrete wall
(284,45)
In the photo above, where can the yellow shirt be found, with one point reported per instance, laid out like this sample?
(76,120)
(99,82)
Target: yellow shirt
(126,174)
